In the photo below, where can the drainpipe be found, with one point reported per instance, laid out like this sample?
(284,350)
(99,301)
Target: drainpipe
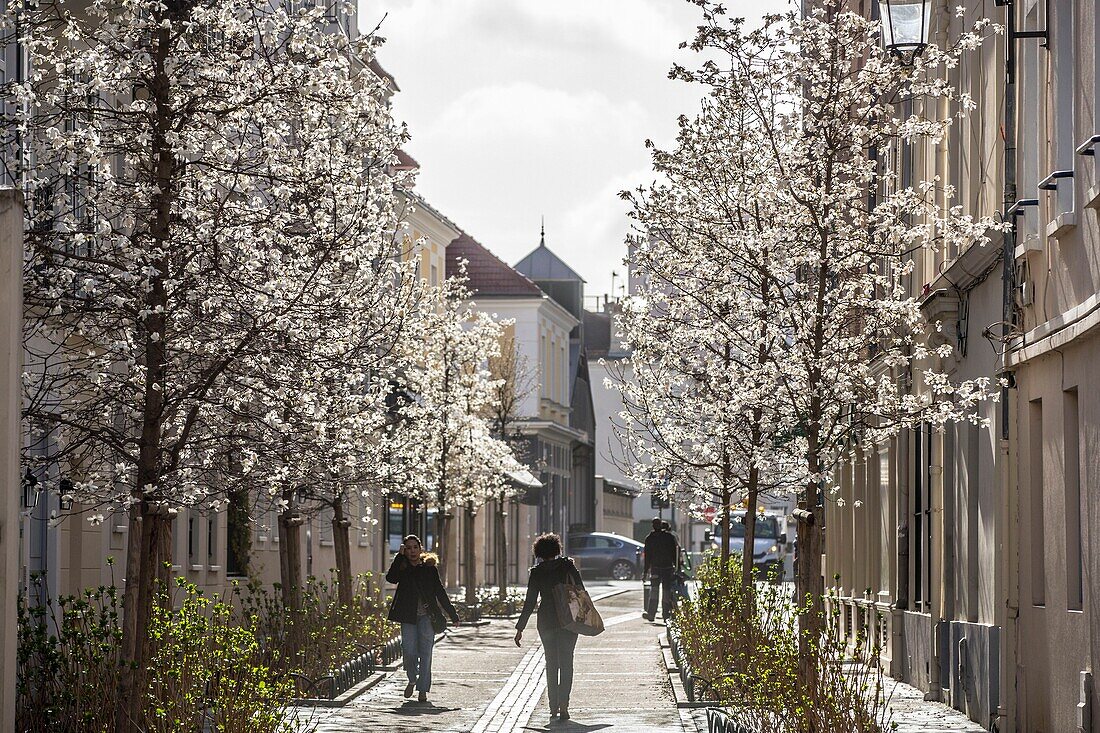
(1006,706)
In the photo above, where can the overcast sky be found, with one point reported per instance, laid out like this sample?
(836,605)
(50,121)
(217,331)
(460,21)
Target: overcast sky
(520,109)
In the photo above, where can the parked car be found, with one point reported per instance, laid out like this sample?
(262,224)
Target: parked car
(769,544)
(606,554)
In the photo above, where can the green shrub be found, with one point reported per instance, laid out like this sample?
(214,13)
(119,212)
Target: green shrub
(67,667)
(322,634)
(745,649)
(209,668)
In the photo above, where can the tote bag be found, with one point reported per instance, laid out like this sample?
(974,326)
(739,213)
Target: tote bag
(576,611)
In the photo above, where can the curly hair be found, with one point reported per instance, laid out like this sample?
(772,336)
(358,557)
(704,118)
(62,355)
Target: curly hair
(547,546)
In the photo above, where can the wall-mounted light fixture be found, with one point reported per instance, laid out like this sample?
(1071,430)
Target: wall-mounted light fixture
(30,490)
(905,28)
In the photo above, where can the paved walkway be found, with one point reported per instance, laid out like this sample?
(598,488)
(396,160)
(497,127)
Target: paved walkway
(482,683)
(913,714)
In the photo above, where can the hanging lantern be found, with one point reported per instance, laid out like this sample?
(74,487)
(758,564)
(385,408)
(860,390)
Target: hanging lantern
(905,27)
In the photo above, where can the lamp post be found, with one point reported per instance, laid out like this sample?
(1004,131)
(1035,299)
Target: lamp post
(905,27)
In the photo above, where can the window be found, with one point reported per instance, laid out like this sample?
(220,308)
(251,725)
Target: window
(191,539)
(1060,103)
(1071,437)
(238,533)
(767,528)
(435,274)
(1030,131)
(212,540)
(1037,540)
(972,458)
(324,527)
(921,534)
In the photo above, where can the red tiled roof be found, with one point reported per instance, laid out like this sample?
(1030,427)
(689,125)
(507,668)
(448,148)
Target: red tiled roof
(487,274)
(405,161)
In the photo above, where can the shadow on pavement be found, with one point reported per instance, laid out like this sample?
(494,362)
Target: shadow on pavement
(571,726)
(417,709)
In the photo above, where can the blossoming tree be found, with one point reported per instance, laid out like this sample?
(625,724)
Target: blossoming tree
(209,189)
(827,235)
(459,462)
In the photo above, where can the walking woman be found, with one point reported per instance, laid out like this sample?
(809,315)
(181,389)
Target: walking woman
(418,605)
(558,644)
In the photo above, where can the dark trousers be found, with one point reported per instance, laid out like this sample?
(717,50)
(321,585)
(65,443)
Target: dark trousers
(660,579)
(558,646)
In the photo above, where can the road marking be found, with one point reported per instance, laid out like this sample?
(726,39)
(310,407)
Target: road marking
(614,620)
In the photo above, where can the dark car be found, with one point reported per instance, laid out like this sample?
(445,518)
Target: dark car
(606,554)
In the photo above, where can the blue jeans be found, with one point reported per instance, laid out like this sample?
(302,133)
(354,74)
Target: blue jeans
(417,641)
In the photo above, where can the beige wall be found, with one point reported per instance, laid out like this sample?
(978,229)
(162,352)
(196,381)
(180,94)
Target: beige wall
(1055,358)
(11,366)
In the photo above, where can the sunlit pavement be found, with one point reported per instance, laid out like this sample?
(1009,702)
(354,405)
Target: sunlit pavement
(482,683)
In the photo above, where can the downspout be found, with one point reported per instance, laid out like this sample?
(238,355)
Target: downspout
(1005,716)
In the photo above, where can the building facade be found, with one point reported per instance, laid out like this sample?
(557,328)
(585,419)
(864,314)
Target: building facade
(539,425)
(577,497)
(11,370)
(973,557)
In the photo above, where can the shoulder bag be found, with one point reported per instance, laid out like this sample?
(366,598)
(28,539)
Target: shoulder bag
(576,611)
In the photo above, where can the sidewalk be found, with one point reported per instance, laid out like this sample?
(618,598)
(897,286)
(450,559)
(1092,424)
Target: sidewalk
(913,714)
(483,684)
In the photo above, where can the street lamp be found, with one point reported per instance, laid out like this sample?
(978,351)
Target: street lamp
(905,28)
(65,495)
(30,490)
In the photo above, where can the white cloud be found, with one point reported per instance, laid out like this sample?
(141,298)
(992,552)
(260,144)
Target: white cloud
(520,108)
(537,113)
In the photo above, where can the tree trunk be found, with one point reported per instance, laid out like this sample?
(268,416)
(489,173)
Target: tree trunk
(130,646)
(341,537)
(747,559)
(470,579)
(290,557)
(145,542)
(442,525)
(811,618)
(501,519)
(726,528)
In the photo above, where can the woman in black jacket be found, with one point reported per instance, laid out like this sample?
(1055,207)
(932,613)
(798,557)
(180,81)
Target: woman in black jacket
(557,644)
(419,596)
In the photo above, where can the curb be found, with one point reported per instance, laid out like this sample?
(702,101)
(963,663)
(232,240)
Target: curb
(679,694)
(609,594)
(347,695)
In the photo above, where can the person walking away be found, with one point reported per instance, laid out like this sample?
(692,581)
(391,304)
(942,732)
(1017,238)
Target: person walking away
(661,554)
(419,598)
(558,644)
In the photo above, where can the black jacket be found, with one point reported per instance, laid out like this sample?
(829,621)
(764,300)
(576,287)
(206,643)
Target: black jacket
(413,583)
(544,577)
(662,551)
